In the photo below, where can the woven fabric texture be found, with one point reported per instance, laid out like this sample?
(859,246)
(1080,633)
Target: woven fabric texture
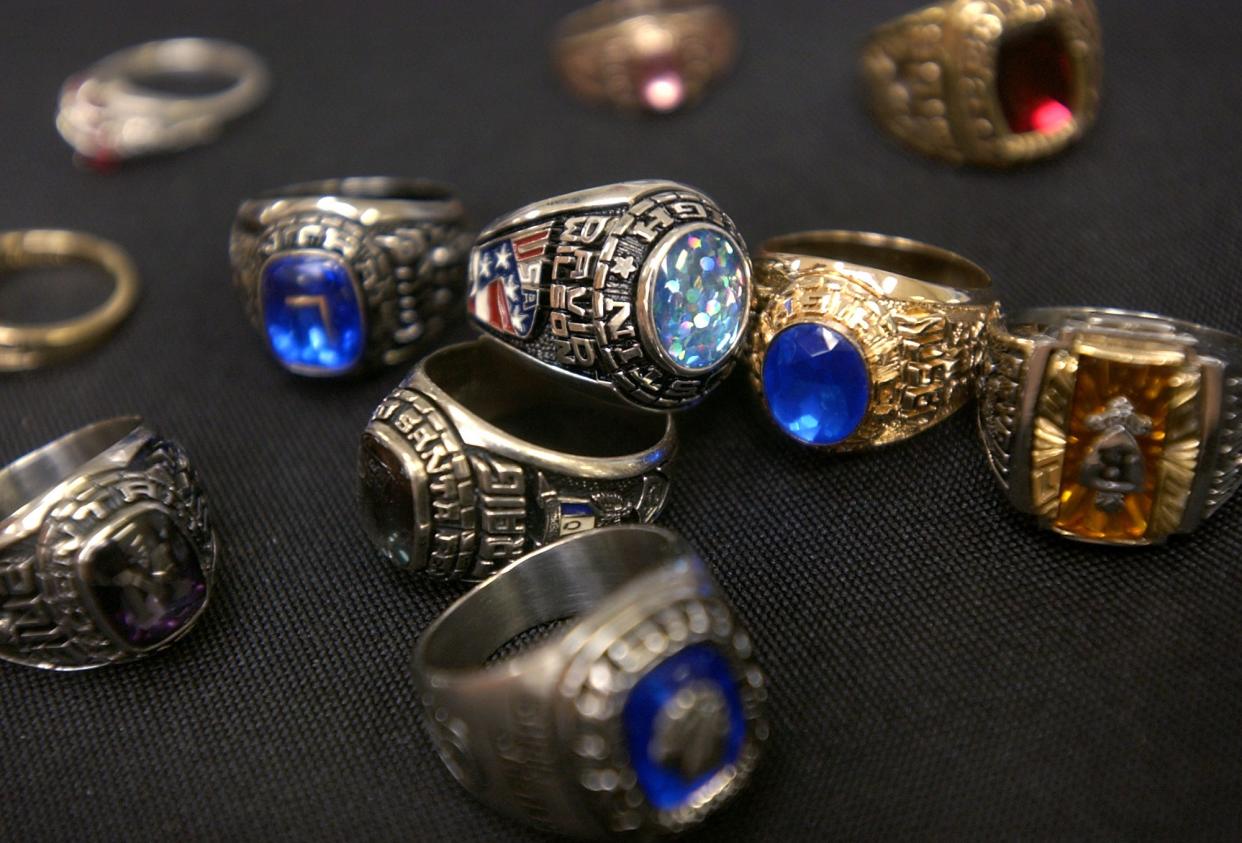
(939,668)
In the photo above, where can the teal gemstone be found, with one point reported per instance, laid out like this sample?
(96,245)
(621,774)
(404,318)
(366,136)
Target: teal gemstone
(698,301)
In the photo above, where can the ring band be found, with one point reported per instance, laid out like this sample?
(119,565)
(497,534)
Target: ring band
(1112,426)
(481,455)
(345,275)
(643,715)
(106,548)
(108,114)
(24,347)
(997,84)
(863,339)
(644,286)
(654,55)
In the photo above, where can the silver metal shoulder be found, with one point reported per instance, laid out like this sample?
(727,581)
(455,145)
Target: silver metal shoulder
(605,196)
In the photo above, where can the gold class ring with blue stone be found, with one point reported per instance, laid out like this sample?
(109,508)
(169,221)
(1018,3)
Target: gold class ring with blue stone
(994,83)
(345,275)
(863,339)
(644,714)
(106,550)
(482,455)
(643,286)
(1112,426)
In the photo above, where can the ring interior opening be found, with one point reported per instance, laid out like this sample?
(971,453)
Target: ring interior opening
(368,187)
(38,472)
(186,83)
(1210,341)
(53,289)
(913,260)
(525,400)
(562,581)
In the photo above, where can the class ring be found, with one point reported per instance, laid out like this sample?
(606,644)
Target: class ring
(349,275)
(864,339)
(996,84)
(106,548)
(641,286)
(642,714)
(481,455)
(1112,426)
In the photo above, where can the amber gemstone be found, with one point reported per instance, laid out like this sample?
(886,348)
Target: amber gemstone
(1117,431)
(1035,80)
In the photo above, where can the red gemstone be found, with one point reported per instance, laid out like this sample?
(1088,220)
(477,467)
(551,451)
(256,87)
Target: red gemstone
(1035,80)
(661,86)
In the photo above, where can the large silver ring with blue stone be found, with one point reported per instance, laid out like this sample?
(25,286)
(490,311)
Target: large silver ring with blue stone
(864,339)
(643,286)
(106,549)
(643,714)
(481,455)
(345,275)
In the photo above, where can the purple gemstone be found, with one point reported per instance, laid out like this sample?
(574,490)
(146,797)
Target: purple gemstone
(146,578)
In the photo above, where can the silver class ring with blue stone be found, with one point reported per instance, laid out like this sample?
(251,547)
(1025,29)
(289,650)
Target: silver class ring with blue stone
(643,714)
(863,339)
(106,550)
(350,274)
(643,286)
(481,455)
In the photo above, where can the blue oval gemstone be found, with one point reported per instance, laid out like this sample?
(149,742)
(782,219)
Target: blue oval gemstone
(683,723)
(698,300)
(313,318)
(816,384)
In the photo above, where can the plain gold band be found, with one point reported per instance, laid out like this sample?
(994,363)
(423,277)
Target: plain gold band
(25,347)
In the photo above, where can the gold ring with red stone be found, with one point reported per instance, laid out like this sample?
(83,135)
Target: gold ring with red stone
(989,82)
(645,55)
(1112,426)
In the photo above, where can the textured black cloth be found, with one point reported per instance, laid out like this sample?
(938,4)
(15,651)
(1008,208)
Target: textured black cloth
(939,668)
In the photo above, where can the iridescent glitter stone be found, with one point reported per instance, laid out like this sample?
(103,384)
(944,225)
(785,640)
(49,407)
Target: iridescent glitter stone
(699,297)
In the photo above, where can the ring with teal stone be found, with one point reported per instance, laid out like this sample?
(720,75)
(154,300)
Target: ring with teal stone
(863,339)
(642,286)
(346,275)
(643,714)
(111,555)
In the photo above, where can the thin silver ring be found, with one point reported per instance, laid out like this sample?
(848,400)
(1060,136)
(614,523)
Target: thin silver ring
(643,714)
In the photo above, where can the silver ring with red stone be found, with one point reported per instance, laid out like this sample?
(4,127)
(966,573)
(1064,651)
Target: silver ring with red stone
(996,84)
(106,549)
(346,275)
(643,286)
(116,109)
(481,455)
(642,715)
(645,55)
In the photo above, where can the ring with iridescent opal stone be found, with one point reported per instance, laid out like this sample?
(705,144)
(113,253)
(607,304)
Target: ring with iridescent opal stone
(106,549)
(644,286)
(642,714)
(481,455)
(864,339)
(652,56)
(346,275)
(1112,426)
(996,84)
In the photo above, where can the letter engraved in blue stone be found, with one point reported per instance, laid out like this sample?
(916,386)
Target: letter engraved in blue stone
(684,724)
(816,384)
(698,299)
(311,312)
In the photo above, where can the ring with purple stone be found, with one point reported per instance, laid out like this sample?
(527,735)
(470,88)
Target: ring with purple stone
(863,339)
(348,275)
(643,713)
(655,56)
(996,84)
(643,286)
(481,455)
(106,549)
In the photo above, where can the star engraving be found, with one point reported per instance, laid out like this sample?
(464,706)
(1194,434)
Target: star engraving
(624,267)
(502,260)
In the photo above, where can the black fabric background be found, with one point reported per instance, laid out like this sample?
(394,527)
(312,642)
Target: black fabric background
(938,667)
